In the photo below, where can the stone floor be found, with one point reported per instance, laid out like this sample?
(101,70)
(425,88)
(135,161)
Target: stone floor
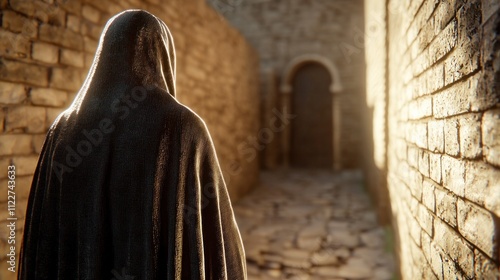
(308,225)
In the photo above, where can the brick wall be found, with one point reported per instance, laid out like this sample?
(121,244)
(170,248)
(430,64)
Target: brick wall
(282,31)
(444,136)
(46,48)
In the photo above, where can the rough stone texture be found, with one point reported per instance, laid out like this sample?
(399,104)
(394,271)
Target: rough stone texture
(45,52)
(48,97)
(12,93)
(282,31)
(46,48)
(491,134)
(73,58)
(334,209)
(443,100)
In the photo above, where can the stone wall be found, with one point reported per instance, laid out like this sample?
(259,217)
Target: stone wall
(444,137)
(375,109)
(46,48)
(282,31)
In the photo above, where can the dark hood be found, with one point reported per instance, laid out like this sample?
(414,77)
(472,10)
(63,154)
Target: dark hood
(135,48)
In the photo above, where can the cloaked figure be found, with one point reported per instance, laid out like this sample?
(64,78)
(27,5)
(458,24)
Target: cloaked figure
(128,185)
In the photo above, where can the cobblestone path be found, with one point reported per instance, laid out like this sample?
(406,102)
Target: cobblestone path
(308,225)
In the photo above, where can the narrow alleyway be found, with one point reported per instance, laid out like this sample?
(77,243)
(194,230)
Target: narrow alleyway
(308,225)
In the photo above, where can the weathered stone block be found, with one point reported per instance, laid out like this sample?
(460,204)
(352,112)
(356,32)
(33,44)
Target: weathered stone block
(420,108)
(436,135)
(477,226)
(483,185)
(453,171)
(425,219)
(435,167)
(61,36)
(428,198)
(443,44)
(423,163)
(37,9)
(446,206)
(426,246)
(482,94)
(451,270)
(90,45)
(91,30)
(17,23)
(12,93)
(66,78)
(452,101)
(433,79)
(415,183)
(114,8)
(103,6)
(4,164)
(463,61)
(470,136)
(25,165)
(412,156)
(14,45)
(15,71)
(484,267)
(436,261)
(74,7)
(91,14)
(415,230)
(418,135)
(29,117)
(45,52)
(73,58)
(73,23)
(15,144)
(423,39)
(48,97)
(38,140)
(491,136)
(451,134)
(469,20)
(444,14)
(455,247)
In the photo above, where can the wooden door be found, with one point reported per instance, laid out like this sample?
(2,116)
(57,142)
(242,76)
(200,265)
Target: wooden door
(312,128)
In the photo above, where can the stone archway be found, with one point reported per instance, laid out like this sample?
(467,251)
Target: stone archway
(286,88)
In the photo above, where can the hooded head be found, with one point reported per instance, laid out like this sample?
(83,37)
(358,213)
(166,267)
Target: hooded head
(136,48)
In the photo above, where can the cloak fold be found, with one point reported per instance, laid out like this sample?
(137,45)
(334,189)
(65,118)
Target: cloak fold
(128,185)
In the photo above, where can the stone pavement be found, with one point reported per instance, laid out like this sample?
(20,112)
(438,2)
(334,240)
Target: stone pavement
(308,225)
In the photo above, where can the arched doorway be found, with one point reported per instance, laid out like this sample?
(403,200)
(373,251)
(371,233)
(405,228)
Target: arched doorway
(312,127)
(288,83)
